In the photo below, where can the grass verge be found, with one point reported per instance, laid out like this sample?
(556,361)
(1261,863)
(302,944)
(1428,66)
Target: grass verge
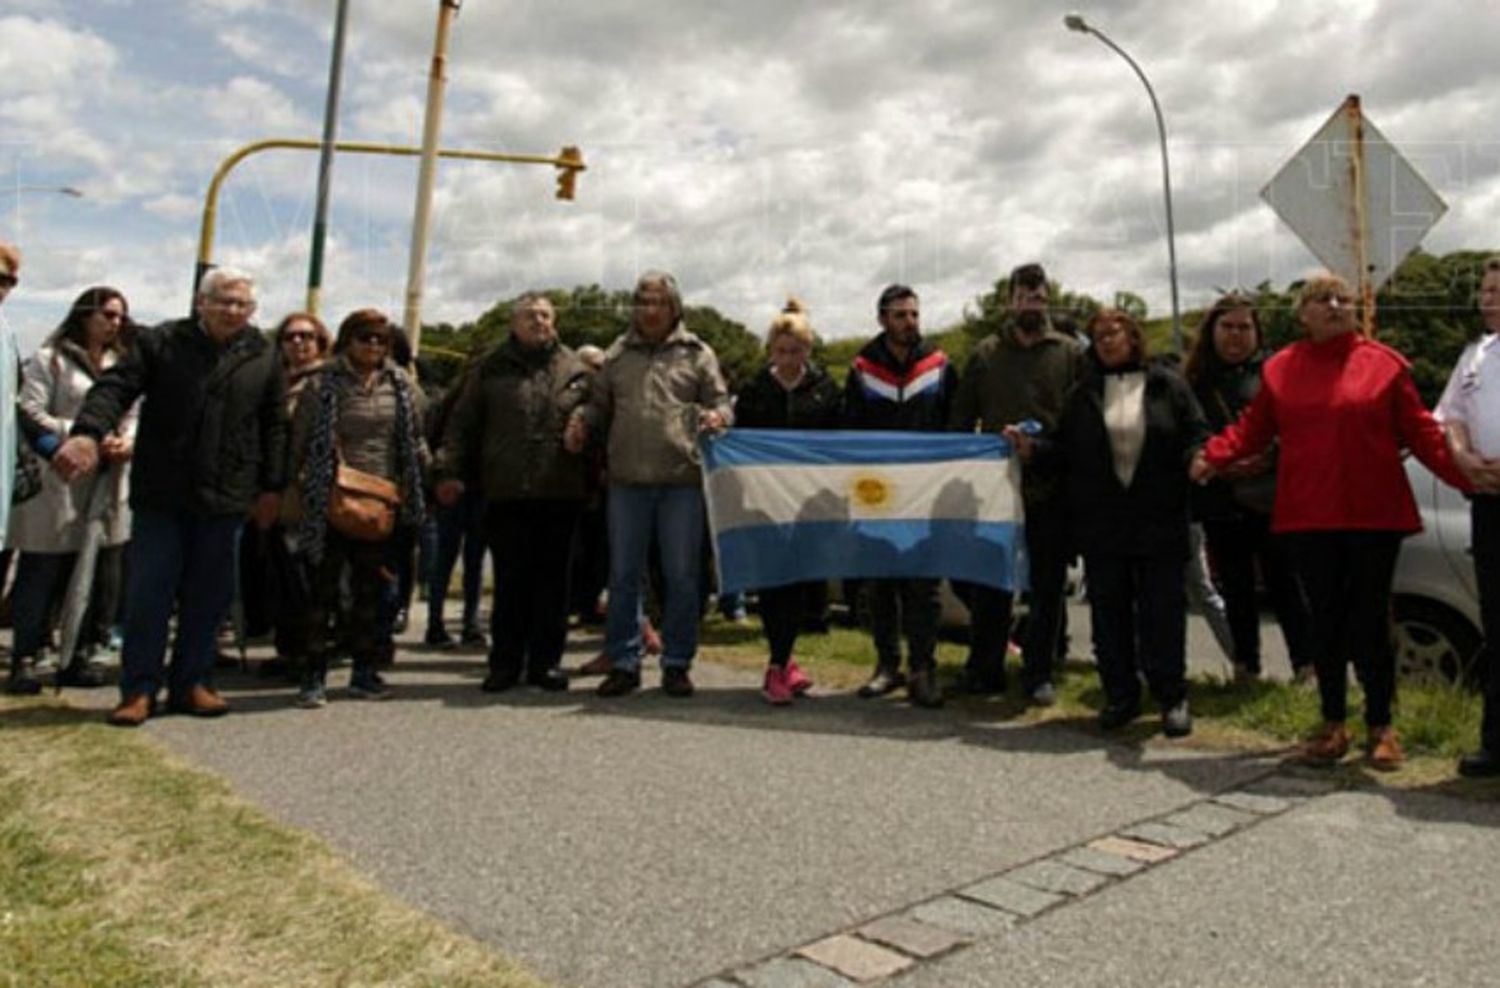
(120,866)
(1437,722)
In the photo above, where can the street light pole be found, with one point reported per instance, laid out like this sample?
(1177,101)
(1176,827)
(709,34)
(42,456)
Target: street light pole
(1075,22)
(417,267)
(325,159)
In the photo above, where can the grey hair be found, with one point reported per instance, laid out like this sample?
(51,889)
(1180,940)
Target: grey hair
(664,281)
(216,278)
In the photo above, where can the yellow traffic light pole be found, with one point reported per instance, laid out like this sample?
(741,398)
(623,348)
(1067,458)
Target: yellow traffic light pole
(569,162)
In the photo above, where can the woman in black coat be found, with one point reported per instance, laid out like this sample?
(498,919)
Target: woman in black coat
(789,393)
(1235,508)
(1127,435)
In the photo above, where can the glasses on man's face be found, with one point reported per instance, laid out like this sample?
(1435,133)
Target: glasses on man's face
(1334,298)
(232,303)
(8,280)
(373,337)
(297,336)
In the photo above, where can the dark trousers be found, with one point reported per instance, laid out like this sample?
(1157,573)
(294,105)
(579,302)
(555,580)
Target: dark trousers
(781,612)
(460,527)
(990,609)
(365,564)
(531,542)
(904,607)
(182,560)
(1236,546)
(1485,515)
(41,584)
(1139,611)
(1347,575)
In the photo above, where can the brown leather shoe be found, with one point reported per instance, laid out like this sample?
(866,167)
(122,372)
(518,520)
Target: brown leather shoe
(131,711)
(201,701)
(599,665)
(1385,751)
(1330,744)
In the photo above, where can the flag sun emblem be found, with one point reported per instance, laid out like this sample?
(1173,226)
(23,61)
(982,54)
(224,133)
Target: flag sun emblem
(871,492)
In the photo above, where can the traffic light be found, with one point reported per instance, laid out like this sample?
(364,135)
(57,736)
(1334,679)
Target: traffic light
(569,164)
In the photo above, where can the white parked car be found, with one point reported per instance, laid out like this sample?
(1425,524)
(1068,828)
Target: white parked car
(1435,599)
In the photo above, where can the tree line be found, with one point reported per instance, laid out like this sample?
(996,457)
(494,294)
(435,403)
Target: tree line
(1426,311)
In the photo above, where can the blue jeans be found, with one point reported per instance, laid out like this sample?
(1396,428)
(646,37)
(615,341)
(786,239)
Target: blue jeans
(185,560)
(672,517)
(459,525)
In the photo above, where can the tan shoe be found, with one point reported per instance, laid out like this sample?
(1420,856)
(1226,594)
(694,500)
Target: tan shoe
(201,701)
(131,711)
(1385,750)
(1330,744)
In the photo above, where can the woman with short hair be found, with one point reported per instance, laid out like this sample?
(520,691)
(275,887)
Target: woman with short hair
(1342,407)
(357,410)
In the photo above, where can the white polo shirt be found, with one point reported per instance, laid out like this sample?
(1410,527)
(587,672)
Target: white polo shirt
(1472,395)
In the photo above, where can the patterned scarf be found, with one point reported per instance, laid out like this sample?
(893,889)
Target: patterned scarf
(322,458)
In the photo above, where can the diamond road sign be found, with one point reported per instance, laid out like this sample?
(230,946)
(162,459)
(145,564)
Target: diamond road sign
(1314,194)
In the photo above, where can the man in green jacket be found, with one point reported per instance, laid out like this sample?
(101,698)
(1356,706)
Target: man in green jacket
(1017,378)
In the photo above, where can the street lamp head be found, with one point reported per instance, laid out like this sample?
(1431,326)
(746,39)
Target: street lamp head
(69,190)
(1075,22)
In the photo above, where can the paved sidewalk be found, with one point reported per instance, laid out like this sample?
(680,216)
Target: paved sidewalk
(648,841)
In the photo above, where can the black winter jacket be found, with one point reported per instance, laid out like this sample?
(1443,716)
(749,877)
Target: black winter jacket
(885,393)
(212,434)
(815,403)
(1149,517)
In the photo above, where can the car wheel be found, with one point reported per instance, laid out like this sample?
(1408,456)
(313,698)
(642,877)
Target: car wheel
(1435,643)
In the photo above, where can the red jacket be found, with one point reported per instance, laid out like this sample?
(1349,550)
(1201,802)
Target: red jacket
(1343,409)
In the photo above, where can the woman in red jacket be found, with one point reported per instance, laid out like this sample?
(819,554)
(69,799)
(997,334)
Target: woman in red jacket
(1343,408)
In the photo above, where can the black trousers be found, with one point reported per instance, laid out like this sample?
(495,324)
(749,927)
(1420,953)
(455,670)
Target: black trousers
(1139,612)
(1236,545)
(1347,575)
(781,613)
(531,543)
(365,564)
(904,607)
(1047,552)
(1485,516)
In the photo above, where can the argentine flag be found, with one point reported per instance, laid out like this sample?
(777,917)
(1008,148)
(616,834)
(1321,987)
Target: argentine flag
(787,506)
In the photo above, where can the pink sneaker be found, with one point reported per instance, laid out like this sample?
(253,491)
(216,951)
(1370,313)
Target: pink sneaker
(777,689)
(796,679)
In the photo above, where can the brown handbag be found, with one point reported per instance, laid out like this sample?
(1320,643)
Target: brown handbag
(361,505)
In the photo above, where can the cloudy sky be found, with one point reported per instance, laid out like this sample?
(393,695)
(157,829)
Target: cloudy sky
(756,149)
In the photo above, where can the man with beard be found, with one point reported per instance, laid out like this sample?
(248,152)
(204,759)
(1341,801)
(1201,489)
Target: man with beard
(1020,375)
(900,381)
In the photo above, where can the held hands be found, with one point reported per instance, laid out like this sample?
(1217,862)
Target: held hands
(1482,473)
(575,434)
(1024,444)
(116,449)
(449,491)
(1200,471)
(76,457)
(709,420)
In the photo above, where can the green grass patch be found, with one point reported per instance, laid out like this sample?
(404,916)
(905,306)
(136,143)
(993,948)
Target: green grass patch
(1437,722)
(121,866)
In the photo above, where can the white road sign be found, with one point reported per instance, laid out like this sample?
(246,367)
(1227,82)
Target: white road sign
(1315,195)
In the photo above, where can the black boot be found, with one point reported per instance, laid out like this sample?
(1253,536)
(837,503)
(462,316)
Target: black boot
(23,680)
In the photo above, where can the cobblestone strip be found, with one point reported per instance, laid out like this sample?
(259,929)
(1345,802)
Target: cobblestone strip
(913,935)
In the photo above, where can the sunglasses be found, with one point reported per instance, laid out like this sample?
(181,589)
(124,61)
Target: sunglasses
(296,336)
(8,280)
(373,336)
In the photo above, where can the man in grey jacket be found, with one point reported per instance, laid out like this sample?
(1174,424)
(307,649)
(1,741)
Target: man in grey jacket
(660,386)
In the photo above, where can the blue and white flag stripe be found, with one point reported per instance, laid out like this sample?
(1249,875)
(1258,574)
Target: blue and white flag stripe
(788,506)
